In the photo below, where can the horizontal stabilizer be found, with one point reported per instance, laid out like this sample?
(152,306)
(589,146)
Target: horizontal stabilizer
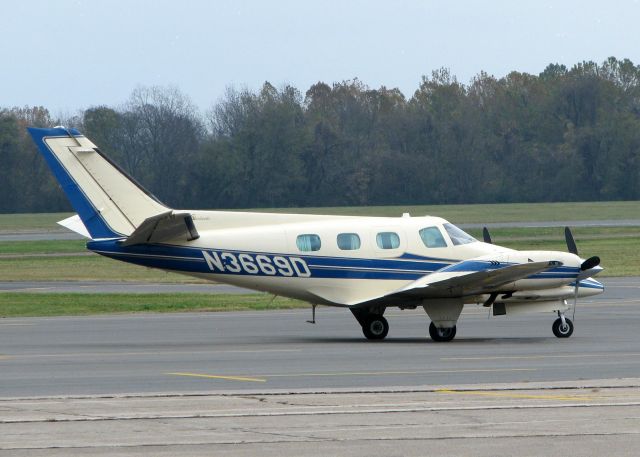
(74,223)
(164,227)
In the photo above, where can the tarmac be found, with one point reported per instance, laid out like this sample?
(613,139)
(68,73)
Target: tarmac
(583,418)
(270,384)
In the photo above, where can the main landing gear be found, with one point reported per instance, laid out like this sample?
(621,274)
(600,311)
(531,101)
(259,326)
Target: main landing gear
(562,326)
(441,334)
(374,325)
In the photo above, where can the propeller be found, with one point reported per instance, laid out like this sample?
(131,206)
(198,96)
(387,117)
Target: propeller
(571,243)
(588,264)
(486,236)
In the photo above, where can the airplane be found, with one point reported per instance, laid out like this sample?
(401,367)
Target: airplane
(365,264)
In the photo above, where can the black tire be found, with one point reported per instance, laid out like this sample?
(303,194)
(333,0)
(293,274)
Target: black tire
(441,334)
(560,331)
(375,328)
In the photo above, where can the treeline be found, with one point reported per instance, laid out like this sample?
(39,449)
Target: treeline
(562,135)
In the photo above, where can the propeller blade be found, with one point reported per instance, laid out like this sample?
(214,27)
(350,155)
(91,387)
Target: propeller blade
(486,236)
(571,244)
(590,263)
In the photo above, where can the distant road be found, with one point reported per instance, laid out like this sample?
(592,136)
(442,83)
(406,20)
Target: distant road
(66,235)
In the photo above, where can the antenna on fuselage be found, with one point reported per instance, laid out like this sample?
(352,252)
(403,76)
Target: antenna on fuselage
(313,315)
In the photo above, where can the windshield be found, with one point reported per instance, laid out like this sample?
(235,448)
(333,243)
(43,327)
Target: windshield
(458,236)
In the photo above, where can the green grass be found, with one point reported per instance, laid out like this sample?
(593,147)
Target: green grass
(31,221)
(82,268)
(76,304)
(42,247)
(501,212)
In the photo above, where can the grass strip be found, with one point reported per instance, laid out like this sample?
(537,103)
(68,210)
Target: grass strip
(486,213)
(42,247)
(78,304)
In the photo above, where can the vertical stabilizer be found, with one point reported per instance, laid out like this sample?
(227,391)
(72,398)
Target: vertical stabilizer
(110,203)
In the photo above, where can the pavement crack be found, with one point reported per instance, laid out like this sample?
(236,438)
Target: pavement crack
(282,435)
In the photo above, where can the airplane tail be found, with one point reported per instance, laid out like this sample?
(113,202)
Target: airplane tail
(110,203)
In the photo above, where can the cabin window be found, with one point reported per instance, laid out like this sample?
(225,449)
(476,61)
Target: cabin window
(432,238)
(348,241)
(308,242)
(458,236)
(388,240)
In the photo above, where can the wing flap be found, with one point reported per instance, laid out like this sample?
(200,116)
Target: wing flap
(163,227)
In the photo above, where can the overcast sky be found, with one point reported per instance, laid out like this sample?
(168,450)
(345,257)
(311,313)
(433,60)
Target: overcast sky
(72,54)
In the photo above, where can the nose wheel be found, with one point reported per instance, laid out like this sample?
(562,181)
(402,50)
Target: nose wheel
(562,327)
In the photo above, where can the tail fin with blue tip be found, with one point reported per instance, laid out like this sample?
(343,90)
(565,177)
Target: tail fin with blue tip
(110,203)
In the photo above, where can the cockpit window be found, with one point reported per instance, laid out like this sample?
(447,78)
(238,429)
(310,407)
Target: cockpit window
(432,238)
(458,236)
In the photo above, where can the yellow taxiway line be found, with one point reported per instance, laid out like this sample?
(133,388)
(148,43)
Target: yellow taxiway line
(265,377)
(211,376)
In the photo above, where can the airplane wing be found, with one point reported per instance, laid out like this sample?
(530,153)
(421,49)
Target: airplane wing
(163,227)
(459,280)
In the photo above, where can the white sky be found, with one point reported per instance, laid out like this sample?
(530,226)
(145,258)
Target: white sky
(67,55)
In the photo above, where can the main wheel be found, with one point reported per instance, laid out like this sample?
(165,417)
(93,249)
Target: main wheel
(375,327)
(441,334)
(562,331)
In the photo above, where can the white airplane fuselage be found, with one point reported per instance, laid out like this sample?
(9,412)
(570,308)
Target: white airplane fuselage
(259,251)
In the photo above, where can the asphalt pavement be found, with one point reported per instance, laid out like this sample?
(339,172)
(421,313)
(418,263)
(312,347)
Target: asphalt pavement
(586,418)
(192,352)
(270,384)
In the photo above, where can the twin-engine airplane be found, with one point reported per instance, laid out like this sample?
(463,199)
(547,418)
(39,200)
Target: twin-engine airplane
(366,264)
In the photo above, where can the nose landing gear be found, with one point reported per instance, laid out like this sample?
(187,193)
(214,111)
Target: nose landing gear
(562,326)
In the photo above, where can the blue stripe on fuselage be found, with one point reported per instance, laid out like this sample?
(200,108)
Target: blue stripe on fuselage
(193,260)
